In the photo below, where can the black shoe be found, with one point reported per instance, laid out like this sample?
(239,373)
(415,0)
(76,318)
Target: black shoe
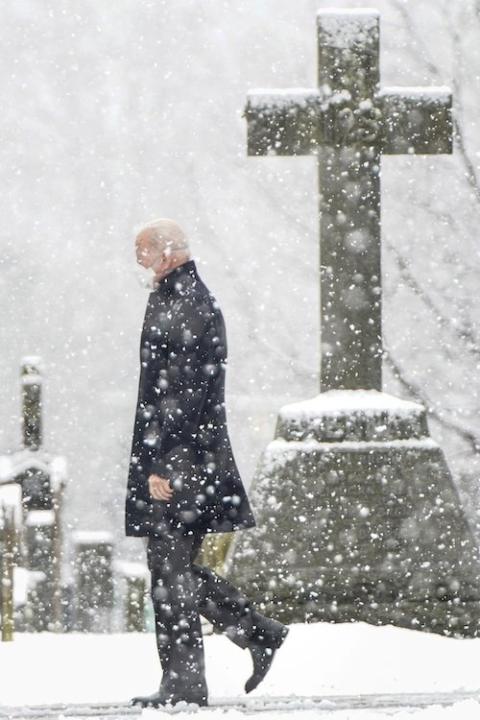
(160,698)
(262,657)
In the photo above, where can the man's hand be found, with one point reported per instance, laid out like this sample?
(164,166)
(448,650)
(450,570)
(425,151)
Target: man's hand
(159,488)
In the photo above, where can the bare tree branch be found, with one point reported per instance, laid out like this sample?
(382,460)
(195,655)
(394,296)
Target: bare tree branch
(464,333)
(416,393)
(433,68)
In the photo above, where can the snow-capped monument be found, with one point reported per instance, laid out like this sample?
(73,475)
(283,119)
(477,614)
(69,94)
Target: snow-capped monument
(358,515)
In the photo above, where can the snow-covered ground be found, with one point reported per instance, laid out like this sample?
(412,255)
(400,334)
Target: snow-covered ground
(318,659)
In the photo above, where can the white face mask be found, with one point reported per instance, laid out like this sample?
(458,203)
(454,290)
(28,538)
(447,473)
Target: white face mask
(143,276)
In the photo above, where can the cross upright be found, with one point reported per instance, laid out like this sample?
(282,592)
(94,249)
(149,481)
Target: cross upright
(348,122)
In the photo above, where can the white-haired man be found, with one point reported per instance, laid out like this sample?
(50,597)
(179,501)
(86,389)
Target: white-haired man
(183,480)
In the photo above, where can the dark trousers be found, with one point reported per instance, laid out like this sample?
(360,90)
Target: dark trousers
(181,591)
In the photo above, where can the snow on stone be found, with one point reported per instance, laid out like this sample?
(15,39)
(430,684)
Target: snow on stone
(343,27)
(279,451)
(5,468)
(58,471)
(18,462)
(23,580)
(335,402)
(283,97)
(301,98)
(91,537)
(348,12)
(280,446)
(34,361)
(297,98)
(131,569)
(415,92)
(12,465)
(32,379)
(40,518)
(11,497)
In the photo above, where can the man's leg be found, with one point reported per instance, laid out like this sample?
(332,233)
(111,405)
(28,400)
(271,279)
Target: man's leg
(160,631)
(229,611)
(177,622)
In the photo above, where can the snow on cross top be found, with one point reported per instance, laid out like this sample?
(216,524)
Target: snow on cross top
(343,27)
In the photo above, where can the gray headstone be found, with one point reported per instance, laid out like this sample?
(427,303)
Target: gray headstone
(39,536)
(93,580)
(136,583)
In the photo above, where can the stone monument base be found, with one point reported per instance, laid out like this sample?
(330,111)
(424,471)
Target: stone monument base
(358,518)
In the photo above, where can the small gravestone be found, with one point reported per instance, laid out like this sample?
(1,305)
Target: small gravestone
(358,517)
(135,578)
(39,535)
(40,476)
(93,580)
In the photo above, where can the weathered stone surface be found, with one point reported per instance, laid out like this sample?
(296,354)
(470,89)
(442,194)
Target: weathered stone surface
(358,519)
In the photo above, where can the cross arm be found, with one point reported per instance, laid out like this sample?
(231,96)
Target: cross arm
(415,120)
(285,122)
(299,121)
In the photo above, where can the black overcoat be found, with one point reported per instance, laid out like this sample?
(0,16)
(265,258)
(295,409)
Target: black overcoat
(180,428)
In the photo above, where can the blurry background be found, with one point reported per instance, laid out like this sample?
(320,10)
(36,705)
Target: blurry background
(117,113)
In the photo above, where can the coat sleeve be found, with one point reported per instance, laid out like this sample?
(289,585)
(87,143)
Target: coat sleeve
(194,355)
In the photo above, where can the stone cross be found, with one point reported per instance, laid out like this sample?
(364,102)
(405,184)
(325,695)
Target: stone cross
(348,122)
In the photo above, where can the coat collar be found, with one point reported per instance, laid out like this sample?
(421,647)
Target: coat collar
(182,273)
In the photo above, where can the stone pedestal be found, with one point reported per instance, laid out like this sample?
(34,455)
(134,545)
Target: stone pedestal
(358,519)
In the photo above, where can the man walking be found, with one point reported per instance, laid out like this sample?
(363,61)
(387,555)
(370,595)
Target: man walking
(183,481)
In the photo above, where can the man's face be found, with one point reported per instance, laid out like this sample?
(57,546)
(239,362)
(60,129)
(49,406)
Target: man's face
(145,249)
